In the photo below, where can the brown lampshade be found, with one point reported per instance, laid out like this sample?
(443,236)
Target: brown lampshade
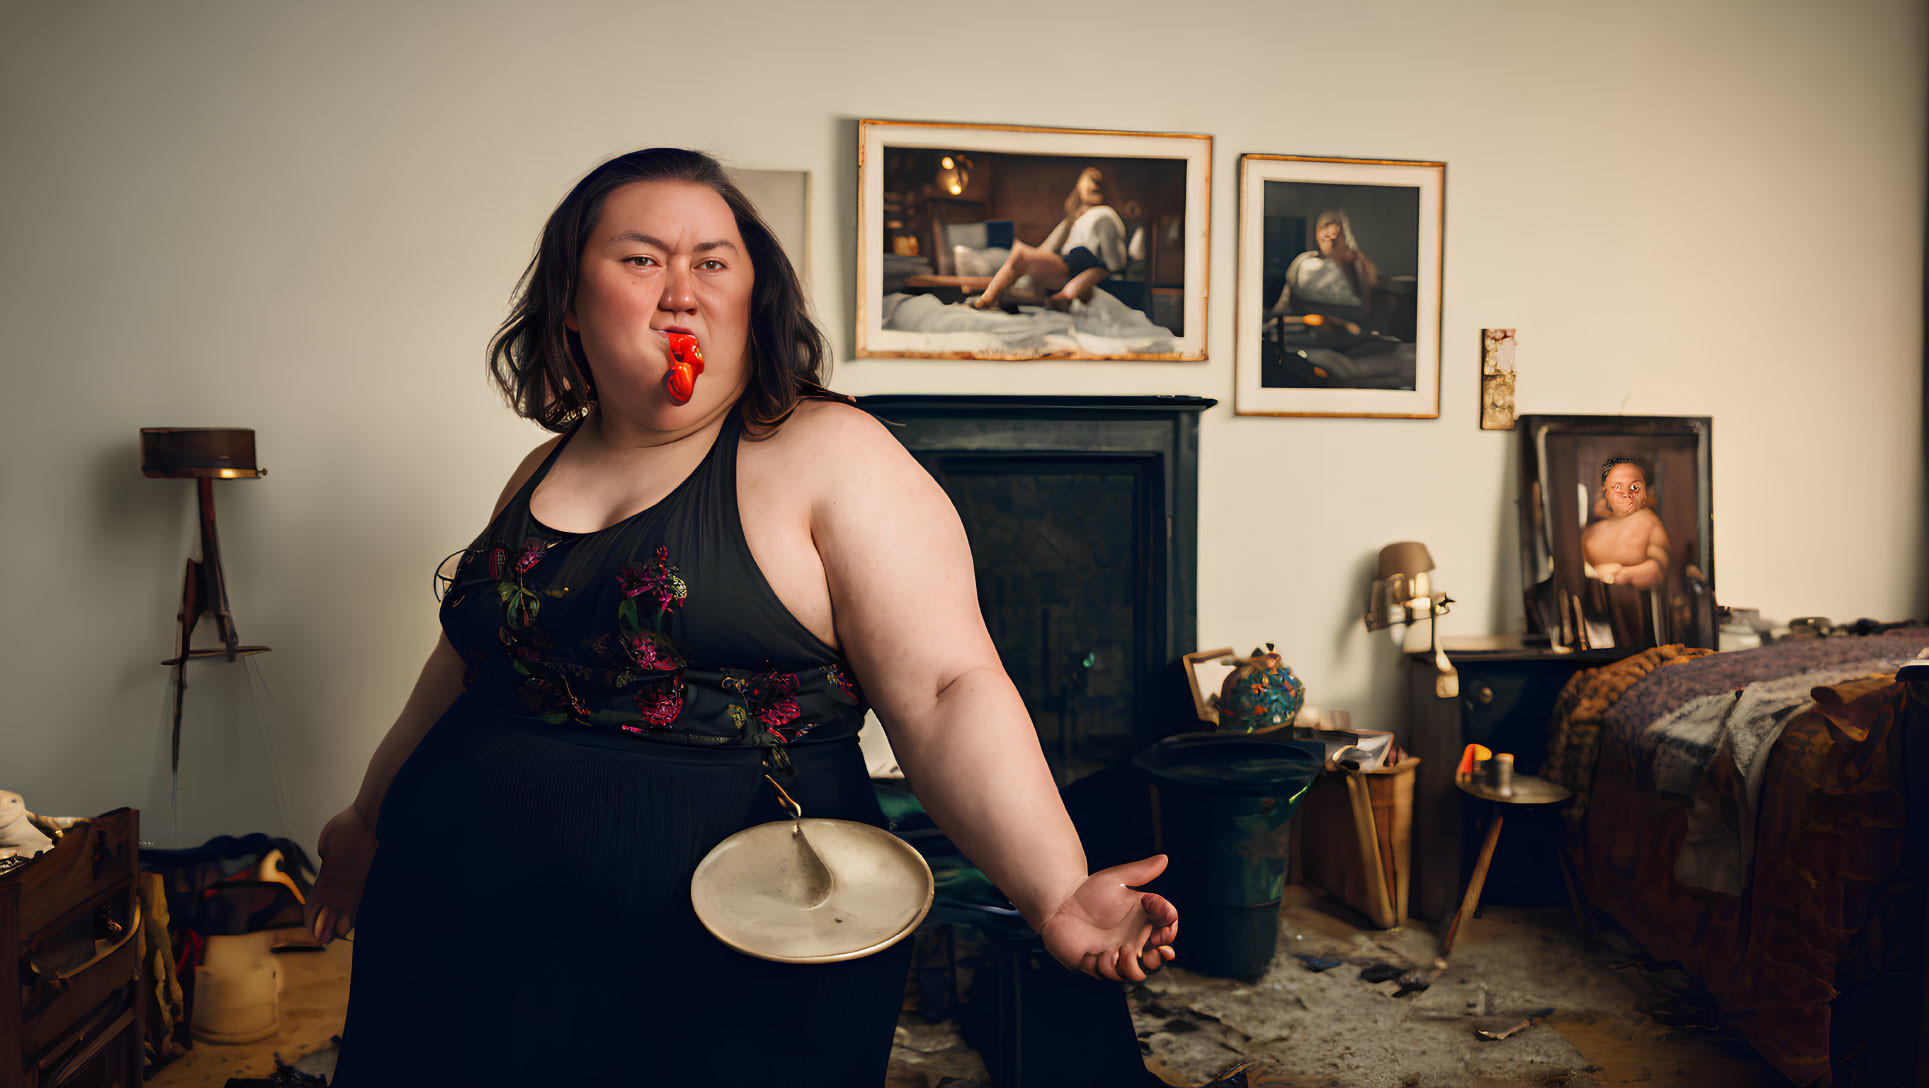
(1402,592)
(180,453)
(1406,557)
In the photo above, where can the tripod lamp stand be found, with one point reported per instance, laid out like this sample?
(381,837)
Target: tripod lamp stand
(204,455)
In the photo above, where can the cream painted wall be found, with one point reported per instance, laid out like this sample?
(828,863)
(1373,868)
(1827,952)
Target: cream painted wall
(307,219)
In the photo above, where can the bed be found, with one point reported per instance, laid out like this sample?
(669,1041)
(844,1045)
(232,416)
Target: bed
(1099,326)
(1757,818)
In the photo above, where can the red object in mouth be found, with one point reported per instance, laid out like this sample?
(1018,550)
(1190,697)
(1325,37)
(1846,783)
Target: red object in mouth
(686,362)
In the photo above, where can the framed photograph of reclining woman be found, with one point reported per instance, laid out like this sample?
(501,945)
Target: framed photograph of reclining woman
(1339,287)
(1020,242)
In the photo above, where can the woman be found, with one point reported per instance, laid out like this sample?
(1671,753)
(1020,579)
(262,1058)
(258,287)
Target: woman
(671,601)
(1085,247)
(1320,332)
(1335,278)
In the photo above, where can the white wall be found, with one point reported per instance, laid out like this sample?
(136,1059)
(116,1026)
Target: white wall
(307,218)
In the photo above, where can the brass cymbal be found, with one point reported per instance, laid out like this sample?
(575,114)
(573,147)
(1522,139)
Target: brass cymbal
(759,892)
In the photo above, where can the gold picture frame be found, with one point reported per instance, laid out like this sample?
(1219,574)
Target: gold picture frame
(1338,310)
(943,205)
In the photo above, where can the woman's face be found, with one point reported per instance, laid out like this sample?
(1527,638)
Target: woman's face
(1328,237)
(663,257)
(1090,189)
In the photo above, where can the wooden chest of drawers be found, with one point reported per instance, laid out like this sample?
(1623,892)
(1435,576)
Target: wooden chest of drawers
(69,922)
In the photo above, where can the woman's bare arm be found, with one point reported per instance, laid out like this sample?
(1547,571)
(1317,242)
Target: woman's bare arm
(348,841)
(905,602)
(435,688)
(905,606)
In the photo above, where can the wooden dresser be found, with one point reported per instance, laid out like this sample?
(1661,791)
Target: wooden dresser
(68,927)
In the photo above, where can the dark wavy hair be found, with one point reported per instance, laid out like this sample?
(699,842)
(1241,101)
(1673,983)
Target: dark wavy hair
(539,365)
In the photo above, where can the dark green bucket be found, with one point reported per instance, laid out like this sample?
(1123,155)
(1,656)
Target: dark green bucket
(1224,803)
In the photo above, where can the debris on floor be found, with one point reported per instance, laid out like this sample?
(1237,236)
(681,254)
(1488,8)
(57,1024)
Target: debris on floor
(284,1076)
(1497,1036)
(1318,1013)
(1381,972)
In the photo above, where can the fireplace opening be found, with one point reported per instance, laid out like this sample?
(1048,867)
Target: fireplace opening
(1082,514)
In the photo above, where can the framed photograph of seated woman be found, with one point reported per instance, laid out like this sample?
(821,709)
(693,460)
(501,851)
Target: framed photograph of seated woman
(1021,242)
(1339,287)
(1617,530)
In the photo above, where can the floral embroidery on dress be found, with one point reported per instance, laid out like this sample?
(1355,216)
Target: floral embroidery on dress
(660,703)
(531,554)
(842,682)
(647,650)
(545,691)
(770,702)
(660,580)
(551,699)
(519,603)
(780,713)
(627,671)
(629,659)
(770,696)
(641,651)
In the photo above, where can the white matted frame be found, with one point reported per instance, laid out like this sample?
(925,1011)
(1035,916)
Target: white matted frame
(1188,226)
(1319,337)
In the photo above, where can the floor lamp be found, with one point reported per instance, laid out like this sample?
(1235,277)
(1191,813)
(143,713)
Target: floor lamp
(204,455)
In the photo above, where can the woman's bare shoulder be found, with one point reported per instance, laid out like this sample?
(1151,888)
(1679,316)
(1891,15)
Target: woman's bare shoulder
(835,430)
(524,471)
(832,447)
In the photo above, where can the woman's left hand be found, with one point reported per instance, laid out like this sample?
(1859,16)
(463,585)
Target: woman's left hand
(1108,930)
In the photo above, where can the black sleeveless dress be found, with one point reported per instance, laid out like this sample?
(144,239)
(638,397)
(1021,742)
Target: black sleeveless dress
(527,919)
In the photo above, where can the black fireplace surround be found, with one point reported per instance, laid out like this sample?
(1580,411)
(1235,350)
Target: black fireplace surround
(1083,518)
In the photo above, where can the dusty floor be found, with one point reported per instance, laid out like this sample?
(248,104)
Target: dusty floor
(1333,1028)
(1590,1017)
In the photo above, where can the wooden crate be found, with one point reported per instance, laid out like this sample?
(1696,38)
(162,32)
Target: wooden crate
(1356,836)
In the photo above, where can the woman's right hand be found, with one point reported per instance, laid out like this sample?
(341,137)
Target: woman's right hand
(1108,930)
(347,846)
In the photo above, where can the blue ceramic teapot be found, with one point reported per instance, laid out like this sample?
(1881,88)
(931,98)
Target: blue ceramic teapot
(1261,694)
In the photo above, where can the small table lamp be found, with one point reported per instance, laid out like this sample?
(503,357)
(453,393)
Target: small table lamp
(204,455)
(1403,593)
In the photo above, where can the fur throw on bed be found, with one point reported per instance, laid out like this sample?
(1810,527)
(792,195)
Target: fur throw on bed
(1582,708)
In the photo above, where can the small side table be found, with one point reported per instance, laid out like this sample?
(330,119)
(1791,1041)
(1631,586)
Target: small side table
(1527,790)
(1507,695)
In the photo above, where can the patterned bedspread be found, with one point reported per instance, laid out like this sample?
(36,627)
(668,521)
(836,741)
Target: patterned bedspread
(1674,723)
(1782,807)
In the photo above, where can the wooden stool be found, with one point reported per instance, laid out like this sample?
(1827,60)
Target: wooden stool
(1527,790)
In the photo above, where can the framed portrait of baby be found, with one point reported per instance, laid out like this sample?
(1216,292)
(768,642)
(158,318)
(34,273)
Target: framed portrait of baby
(1617,530)
(1338,308)
(1021,242)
